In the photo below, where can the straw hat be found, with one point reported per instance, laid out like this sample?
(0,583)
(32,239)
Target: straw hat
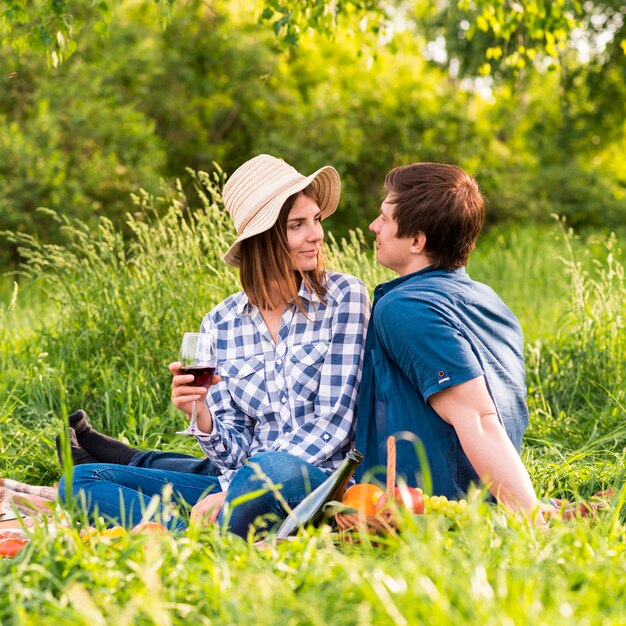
(257,190)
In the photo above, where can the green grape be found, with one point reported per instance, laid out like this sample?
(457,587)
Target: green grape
(455,510)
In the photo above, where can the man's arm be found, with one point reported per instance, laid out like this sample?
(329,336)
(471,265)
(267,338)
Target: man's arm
(469,409)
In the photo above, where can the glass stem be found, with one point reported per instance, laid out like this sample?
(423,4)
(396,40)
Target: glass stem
(192,422)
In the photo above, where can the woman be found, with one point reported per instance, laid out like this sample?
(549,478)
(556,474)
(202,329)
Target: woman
(289,345)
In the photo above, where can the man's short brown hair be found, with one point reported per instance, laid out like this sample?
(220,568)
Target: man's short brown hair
(441,201)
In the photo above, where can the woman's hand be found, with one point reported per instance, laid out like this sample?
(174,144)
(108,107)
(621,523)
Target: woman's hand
(208,508)
(184,394)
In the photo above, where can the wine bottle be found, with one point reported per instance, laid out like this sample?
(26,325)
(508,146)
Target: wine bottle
(311,510)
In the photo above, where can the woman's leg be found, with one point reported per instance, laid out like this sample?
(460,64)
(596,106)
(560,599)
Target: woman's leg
(122,493)
(91,446)
(296,477)
(79,455)
(175,462)
(102,447)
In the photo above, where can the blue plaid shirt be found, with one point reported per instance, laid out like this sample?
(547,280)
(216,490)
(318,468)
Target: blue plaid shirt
(297,395)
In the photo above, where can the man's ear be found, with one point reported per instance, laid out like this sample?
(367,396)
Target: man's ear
(418,244)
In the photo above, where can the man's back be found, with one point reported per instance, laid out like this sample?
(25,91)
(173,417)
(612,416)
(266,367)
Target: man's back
(432,330)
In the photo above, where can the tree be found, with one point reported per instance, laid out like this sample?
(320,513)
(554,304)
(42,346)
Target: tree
(508,33)
(147,102)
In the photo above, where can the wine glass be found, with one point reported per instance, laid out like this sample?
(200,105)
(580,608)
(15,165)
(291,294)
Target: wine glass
(197,355)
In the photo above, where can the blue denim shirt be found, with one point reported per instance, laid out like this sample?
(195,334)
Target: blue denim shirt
(429,331)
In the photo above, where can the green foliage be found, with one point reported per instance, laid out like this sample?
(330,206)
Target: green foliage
(290,18)
(498,38)
(509,34)
(488,573)
(105,295)
(578,379)
(210,87)
(50,28)
(74,154)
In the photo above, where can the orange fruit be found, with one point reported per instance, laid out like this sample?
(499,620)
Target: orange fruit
(149,528)
(363,497)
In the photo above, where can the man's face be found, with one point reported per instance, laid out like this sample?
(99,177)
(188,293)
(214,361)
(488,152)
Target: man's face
(391,251)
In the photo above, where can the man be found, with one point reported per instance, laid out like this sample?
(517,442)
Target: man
(444,355)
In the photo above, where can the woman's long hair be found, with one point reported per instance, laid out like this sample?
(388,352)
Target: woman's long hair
(267,267)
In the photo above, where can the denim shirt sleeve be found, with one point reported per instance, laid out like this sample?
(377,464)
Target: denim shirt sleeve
(425,345)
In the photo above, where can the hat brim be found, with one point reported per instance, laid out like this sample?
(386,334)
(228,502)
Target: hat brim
(328,186)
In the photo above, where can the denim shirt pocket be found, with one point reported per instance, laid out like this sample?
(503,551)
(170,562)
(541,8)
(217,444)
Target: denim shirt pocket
(382,377)
(245,379)
(306,367)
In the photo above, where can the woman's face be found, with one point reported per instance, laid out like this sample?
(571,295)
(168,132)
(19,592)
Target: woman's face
(304,232)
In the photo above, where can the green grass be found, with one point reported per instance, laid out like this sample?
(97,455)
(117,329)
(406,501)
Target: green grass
(95,324)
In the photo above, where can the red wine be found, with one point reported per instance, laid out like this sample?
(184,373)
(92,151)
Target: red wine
(202,374)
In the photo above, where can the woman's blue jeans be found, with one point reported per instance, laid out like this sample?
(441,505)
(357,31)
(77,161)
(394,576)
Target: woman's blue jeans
(175,462)
(121,493)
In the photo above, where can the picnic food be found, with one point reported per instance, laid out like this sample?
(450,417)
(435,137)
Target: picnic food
(407,497)
(452,509)
(107,533)
(11,542)
(149,528)
(363,497)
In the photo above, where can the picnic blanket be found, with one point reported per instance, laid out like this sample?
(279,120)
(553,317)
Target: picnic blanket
(31,501)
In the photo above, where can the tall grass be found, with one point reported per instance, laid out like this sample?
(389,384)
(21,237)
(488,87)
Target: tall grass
(577,379)
(94,324)
(486,572)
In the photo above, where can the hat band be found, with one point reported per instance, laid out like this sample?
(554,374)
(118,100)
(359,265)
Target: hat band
(255,210)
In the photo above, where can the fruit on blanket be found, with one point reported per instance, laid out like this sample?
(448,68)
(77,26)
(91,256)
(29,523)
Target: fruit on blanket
(455,510)
(112,533)
(411,498)
(417,500)
(11,542)
(115,532)
(149,528)
(363,497)
(407,497)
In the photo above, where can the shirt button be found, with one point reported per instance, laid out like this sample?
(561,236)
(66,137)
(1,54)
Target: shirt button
(283,399)
(279,361)
(325,436)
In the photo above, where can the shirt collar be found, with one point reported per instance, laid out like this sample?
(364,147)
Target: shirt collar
(385,288)
(243,305)
(308,296)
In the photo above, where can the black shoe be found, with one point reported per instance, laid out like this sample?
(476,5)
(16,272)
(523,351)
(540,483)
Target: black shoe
(79,455)
(78,421)
(101,448)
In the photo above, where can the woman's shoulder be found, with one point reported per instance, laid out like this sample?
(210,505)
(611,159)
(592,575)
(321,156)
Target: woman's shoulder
(340,285)
(226,310)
